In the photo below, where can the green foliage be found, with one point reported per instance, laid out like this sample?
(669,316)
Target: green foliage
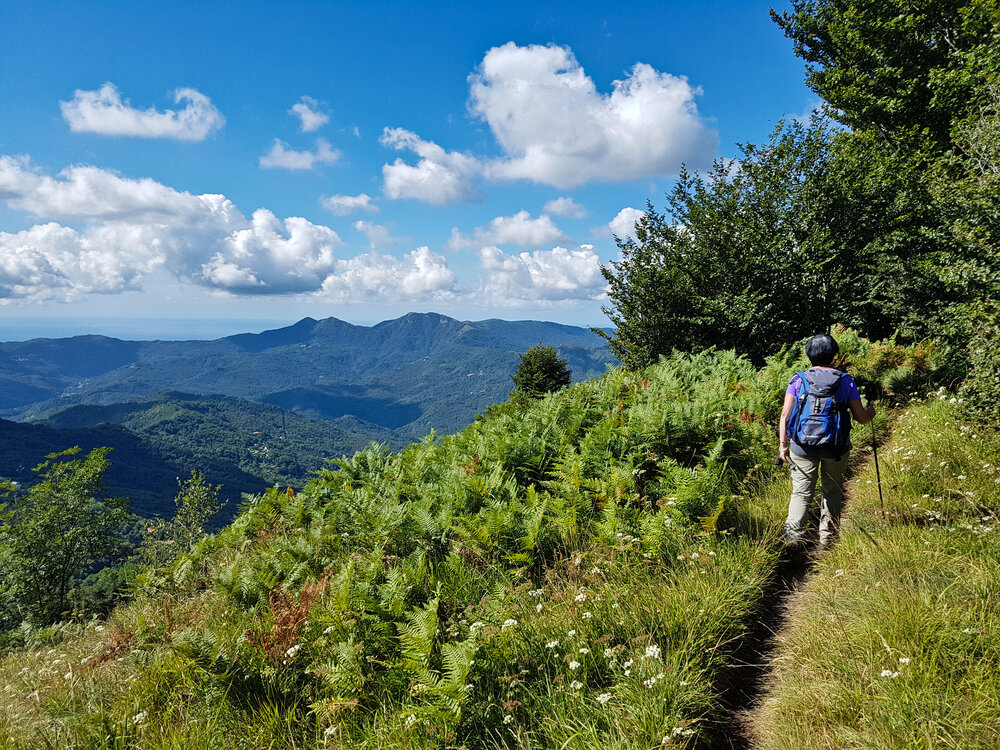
(56,529)
(540,371)
(196,503)
(981,387)
(379,601)
(739,259)
(893,66)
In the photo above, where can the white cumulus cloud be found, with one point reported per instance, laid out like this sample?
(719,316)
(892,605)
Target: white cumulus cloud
(344,205)
(556,128)
(419,275)
(309,114)
(282,157)
(520,229)
(543,275)
(53,262)
(439,177)
(273,256)
(132,227)
(104,112)
(566,207)
(623,225)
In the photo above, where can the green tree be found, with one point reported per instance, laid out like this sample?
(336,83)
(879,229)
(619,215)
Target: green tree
(540,371)
(741,259)
(899,67)
(56,530)
(197,503)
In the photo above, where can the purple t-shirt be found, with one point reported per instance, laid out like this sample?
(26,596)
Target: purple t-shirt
(847,391)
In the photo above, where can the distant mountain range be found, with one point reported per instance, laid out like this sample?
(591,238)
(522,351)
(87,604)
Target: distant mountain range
(254,409)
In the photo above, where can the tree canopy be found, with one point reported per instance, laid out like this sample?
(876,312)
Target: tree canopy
(55,531)
(540,371)
(883,217)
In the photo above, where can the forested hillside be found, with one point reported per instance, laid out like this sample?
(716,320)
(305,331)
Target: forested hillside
(293,397)
(413,374)
(240,444)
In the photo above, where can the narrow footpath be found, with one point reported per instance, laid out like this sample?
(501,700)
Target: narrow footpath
(743,682)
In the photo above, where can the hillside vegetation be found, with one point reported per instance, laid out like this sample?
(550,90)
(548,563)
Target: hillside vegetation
(416,373)
(574,573)
(253,410)
(242,445)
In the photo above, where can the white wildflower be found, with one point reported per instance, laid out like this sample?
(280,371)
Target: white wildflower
(587,615)
(139,717)
(581,597)
(584,650)
(628,664)
(290,653)
(603,698)
(653,651)
(571,633)
(576,685)
(574,664)
(551,644)
(904,659)
(411,720)
(889,674)
(538,607)
(507,624)
(508,719)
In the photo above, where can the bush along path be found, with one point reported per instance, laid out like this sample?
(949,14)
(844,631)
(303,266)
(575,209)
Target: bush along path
(895,641)
(570,573)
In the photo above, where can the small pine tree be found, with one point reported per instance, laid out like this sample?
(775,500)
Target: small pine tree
(540,371)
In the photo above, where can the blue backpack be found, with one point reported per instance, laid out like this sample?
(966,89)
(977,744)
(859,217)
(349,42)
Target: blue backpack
(818,419)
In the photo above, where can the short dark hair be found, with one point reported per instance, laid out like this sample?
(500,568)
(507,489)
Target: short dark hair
(821,349)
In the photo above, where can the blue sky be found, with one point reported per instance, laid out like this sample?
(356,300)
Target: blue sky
(254,162)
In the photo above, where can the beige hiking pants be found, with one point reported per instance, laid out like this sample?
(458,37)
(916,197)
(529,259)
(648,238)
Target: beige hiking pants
(804,473)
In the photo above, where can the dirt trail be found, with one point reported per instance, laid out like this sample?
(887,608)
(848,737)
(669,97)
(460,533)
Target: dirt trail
(742,684)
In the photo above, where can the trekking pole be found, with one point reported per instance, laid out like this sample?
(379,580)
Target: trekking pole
(878,476)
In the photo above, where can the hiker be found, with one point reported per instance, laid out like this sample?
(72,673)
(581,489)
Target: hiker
(814,435)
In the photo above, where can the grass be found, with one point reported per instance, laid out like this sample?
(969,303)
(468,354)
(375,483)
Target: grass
(895,643)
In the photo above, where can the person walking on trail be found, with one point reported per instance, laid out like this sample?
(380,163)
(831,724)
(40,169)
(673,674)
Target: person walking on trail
(814,438)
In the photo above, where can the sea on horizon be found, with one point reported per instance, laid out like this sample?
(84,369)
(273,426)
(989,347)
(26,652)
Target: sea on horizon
(132,329)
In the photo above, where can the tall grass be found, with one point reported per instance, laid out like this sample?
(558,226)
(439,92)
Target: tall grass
(896,641)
